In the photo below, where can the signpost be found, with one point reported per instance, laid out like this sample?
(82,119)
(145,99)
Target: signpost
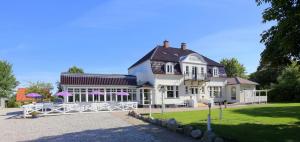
(163,90)
(208,117)
(221,111)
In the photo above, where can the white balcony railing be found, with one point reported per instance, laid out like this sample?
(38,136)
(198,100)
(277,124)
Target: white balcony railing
(199,76)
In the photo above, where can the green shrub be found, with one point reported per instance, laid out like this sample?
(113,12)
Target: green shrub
(288,86)
(12,102)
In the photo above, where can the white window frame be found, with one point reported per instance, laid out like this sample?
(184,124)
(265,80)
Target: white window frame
(187,70)
(215,91)
(202,70)
(169,68)
(202,90)
(215,72)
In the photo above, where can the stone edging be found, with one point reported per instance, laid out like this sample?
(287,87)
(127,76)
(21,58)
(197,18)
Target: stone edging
(174,126)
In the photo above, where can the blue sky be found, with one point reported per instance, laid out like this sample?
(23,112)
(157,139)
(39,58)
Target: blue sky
(44,38)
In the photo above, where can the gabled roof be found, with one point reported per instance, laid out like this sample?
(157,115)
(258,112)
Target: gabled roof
(171,54)
(238,80)
(145,58)
(97,79)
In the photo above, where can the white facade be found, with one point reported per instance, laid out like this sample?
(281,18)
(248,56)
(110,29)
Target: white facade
(191,84)
(235,93)
(81,93)
(171,76)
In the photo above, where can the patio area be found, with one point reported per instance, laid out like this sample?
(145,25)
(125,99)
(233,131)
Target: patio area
(101,127)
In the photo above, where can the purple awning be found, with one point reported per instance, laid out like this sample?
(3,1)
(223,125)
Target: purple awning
(64,93)
(34,95)
(122,94)
(96,93)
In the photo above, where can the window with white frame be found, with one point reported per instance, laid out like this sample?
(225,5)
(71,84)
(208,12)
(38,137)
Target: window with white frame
(172,92)
(186,90)
(202,90)
(215,91)
(187,69)
(210,90)
(176,92)
(169,68)
(202,70)
(194,90)
(215,72)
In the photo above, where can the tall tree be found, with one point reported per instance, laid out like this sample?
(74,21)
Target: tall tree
(233,68)
(265,76)
(288,86)
(41,88)
(75,69)
(282,40)
(7,79)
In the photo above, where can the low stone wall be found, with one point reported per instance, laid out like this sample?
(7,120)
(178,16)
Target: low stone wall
(173,125)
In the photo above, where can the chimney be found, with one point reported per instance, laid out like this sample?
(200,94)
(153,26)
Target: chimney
(166,44)
(183,46)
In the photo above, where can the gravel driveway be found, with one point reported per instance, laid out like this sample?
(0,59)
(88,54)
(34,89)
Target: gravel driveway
(104,127)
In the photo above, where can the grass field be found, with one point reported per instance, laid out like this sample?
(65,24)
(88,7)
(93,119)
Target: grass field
(260,123)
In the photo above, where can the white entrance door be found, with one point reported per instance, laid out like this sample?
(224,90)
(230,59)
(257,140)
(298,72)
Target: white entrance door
(194,90)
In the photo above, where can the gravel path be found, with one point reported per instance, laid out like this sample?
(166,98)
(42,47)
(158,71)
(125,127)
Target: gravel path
(104,127)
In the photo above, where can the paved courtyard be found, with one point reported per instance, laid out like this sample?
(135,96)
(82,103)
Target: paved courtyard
(81,127)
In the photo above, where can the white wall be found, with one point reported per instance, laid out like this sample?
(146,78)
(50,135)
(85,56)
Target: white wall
(216,82)
(171,80)
(193,60)
(248,87)
(239,88)
(143,72)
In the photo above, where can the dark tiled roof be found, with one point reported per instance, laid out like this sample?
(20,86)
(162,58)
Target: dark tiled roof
(171,54)
(97,79)
(147,85)
(145,58)
(238,80)
(158,67)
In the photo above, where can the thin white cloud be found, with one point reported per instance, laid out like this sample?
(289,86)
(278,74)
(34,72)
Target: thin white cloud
(115,14)
(119,14)
(18,48)
(239,43)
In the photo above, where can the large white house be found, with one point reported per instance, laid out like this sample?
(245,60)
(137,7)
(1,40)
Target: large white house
(176,76)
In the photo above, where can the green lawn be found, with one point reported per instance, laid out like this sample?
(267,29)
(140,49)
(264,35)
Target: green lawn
(261,123)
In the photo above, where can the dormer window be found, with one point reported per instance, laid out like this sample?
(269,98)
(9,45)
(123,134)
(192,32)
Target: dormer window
(215,72)
(169,68)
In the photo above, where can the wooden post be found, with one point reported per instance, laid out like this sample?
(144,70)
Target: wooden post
(244,97)
(220,113)
(266,96)
(259,97)
(87,96)
(253,97)
(150,105)
(104,95)
(143,102)
(74,95)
